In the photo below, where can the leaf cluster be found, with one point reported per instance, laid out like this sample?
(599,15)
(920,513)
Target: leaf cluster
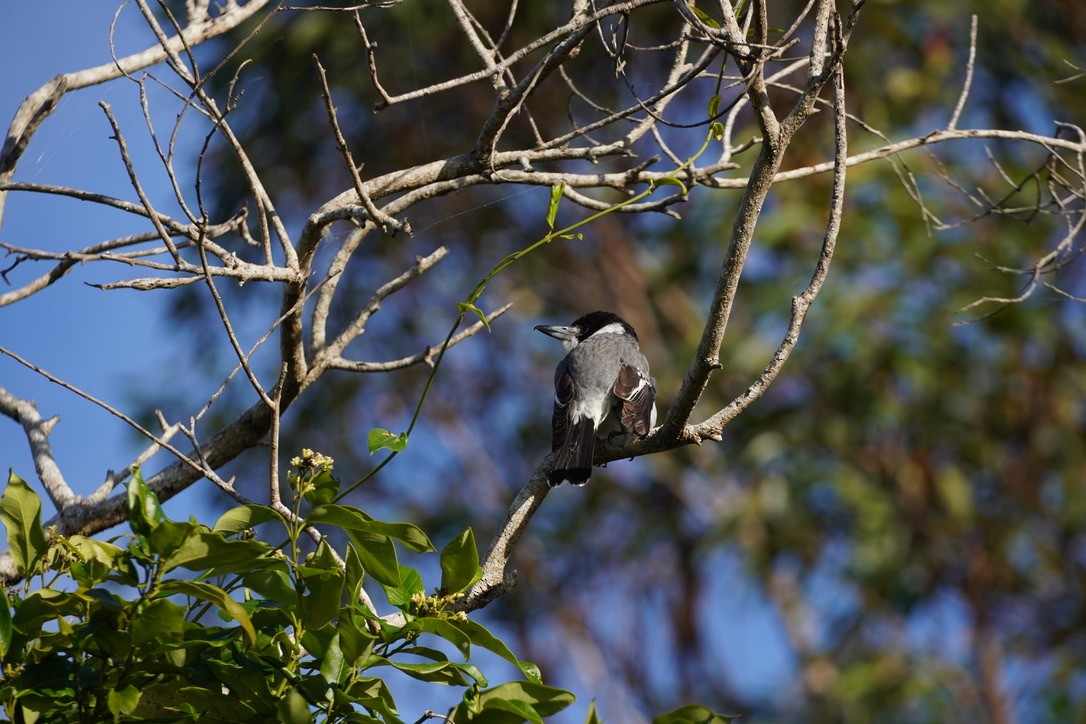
(178,621)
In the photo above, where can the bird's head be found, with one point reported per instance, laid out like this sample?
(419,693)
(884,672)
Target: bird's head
(586,326)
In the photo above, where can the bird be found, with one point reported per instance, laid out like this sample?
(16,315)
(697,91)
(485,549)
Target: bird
(604,372)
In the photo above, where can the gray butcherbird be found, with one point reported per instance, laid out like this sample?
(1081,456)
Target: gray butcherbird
(604,372)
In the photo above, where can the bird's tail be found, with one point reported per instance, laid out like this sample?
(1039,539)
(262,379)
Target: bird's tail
(575,458)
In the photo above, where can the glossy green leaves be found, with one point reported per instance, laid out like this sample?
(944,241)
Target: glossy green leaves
(20,509)
(121,631)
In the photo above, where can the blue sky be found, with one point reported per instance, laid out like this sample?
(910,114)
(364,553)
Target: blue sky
(99,341)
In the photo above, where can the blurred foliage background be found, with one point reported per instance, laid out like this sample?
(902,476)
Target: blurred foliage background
(893,533)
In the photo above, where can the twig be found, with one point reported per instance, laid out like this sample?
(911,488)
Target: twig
(371,62)
(273,442)
(226,486)
(324,357)
(375,213)
(110,409)
(224,317)
(137,186)
(967,84)
(40,105)
(112,478)
(576,25)
(426,357)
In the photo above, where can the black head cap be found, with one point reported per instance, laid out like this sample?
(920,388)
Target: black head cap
(593,322)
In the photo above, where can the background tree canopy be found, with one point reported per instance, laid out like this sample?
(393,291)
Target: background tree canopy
(892,531)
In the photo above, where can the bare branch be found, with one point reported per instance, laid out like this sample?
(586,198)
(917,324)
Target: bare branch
(224,317)
(713,427)
(496,578)
(426,357)
(324,357)
(111,410)
(134,178)
(968,82)
(376,214)
(371,60)
(37,430)
(40,105)
(578,23)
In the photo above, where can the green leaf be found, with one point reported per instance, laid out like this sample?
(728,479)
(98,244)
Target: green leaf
(552,207)
(273,585)
(97,560)
(466,307)
(354,574)
(373,693)
(159,620)
(410,584)
(351,518)
(716,131)
(123,701)
(460,563)
(407,533)
(333,666)
(167,536)
(439,672)
(204,549)
(378,556)
(480,636)
(692,714)
(592,717)
(209,702)
(524,699)
(355,640)
(322,488)
(292,709)
(714,106)
(426,652)
(20,509)
(547,700)
(5,623)
(508,711)
(215,595)
(145,512)
(381,439)
(45,606)
(323,587)
(245,517)
(669,181)
(705,18)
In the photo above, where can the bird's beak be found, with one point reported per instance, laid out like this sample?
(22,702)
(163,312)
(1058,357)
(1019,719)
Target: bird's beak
(564,334)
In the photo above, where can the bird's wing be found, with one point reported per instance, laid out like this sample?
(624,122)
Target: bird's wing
(564,392)
(638,397)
